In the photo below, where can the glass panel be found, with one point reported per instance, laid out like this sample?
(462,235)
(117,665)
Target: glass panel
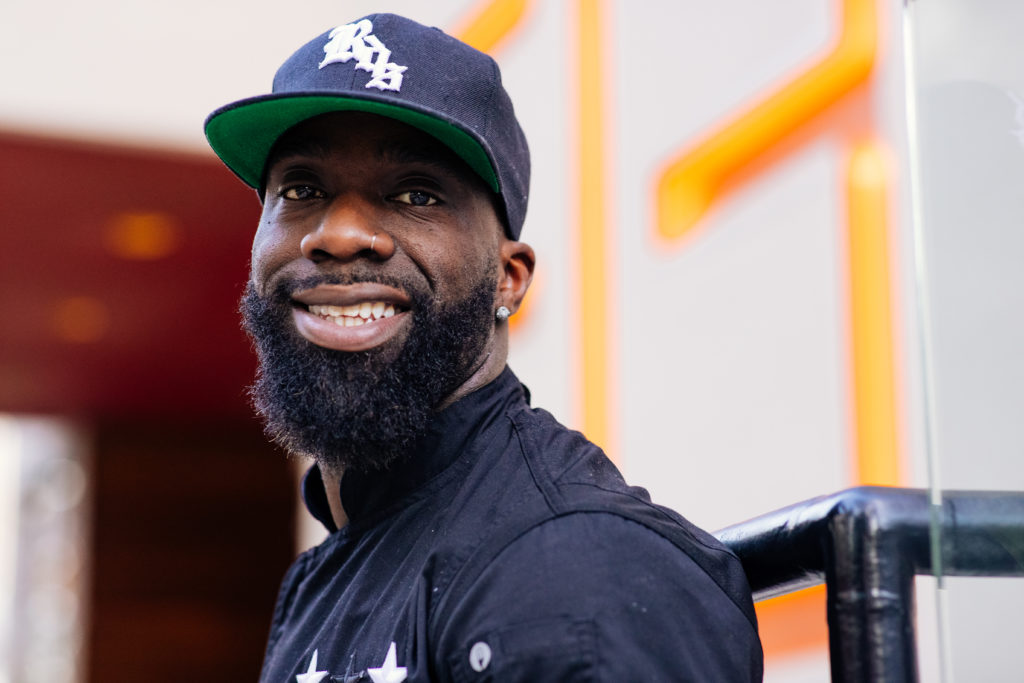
(966,117)
(43,551)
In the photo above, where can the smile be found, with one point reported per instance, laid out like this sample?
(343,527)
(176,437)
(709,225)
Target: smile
(355,317)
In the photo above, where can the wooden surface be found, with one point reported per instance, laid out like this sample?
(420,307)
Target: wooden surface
(192,534)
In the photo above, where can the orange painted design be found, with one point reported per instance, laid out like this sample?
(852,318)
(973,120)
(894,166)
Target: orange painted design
(488,24)
(691,184)
(871,330)
(793,623)
(592,233)
(731,155)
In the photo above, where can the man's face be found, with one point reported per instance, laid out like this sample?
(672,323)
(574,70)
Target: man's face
(374,273)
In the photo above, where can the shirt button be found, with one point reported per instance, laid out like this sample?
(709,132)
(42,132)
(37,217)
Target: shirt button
(480,656)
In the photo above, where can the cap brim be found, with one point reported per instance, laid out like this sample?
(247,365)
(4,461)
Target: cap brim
(243,133)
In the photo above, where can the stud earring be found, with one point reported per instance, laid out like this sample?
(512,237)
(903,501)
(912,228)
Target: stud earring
(502,314)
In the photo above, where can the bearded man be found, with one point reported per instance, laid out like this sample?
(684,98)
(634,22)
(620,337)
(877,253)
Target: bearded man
(472,537)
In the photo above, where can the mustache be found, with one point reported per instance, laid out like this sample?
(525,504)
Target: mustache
(286,287)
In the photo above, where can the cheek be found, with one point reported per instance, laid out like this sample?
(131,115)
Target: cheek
(269,251)
(478,254)
(474,266)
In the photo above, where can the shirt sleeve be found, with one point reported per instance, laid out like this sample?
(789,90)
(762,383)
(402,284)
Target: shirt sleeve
(596,597)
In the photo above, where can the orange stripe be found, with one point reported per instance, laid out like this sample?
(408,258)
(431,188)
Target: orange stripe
(872,343)
(692,183)
(795,623)
(592,231)
(490,22)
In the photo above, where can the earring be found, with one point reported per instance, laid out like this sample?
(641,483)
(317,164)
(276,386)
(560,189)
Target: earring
(502,314)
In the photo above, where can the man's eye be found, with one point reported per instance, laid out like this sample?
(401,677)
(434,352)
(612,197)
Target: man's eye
(302,192)
(415,198)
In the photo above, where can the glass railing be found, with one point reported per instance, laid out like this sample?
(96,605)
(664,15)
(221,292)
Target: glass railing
(965,90)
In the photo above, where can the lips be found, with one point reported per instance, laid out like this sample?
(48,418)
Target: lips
(354,317)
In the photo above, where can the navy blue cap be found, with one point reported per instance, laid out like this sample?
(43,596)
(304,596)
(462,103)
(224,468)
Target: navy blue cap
(391,66)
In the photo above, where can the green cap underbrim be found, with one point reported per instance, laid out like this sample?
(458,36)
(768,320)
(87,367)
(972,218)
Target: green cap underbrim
(243,134)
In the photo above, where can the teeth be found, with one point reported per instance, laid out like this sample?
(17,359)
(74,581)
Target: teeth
(354,314)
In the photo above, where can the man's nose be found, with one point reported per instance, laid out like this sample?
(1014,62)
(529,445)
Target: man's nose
(348,229)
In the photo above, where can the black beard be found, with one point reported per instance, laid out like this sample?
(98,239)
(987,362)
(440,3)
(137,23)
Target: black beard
(361,410)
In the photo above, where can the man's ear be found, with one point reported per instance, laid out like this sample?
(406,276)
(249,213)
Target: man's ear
(517,262)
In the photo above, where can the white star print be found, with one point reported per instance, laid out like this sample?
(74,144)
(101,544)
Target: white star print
(312,675)
(388,672)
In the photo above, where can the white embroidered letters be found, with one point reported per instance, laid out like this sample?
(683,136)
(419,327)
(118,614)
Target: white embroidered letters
(357,40)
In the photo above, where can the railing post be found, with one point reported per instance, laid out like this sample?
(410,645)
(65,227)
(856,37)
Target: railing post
(868,543)
(869,580)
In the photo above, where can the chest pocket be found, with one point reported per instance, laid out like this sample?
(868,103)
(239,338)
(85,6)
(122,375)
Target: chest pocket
(559,649)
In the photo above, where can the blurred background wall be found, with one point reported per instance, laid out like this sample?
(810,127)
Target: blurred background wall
(725,293)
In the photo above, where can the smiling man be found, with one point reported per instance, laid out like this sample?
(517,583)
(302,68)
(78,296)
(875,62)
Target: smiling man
(472,536)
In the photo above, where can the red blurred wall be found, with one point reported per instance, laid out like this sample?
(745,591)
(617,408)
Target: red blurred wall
(120,270)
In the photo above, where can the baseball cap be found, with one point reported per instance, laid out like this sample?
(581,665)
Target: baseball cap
(391,66)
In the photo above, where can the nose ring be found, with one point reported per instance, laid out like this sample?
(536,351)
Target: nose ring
(373,242)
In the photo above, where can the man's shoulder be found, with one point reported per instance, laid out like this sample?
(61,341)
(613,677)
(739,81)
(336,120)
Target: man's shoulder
(569,488)
(574,560)
(586,551)
(587,591)
(559,454)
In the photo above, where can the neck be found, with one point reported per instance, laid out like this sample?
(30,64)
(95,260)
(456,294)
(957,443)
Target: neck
(486,370)
(332,487)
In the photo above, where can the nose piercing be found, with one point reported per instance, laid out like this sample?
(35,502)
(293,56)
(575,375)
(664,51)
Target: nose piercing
(373,242)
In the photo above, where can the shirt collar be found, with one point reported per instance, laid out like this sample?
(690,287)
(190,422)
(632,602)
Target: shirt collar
(449,432)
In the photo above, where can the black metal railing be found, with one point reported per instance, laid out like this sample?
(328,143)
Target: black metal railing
(867,544)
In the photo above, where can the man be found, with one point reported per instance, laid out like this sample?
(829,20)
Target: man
(472,537)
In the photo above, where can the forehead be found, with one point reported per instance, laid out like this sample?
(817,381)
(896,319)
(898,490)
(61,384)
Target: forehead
(371,138)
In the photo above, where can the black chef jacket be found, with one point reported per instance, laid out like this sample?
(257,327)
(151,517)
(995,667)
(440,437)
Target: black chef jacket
(508,548)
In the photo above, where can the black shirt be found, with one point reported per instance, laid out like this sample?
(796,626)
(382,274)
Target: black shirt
(508,548)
